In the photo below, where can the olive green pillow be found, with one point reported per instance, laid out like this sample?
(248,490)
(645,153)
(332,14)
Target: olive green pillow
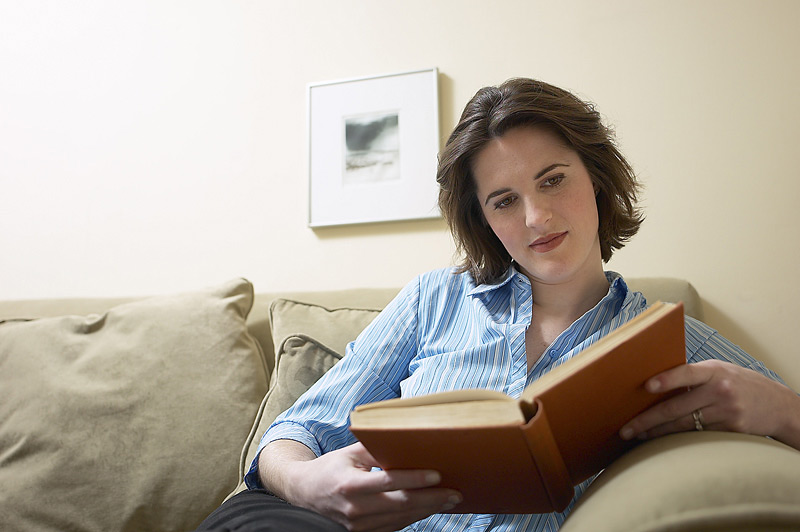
(309,339)
(128,421)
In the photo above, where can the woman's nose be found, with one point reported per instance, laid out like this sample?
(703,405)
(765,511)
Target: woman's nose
(537,212)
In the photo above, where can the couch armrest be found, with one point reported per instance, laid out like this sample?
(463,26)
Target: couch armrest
(695,481)
(669,289)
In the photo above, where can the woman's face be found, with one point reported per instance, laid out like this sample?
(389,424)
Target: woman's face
(539,200)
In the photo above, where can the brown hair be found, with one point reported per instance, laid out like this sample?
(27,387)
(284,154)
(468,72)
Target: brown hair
(522,102)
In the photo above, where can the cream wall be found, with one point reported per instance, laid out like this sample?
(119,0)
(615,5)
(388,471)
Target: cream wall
(155,146)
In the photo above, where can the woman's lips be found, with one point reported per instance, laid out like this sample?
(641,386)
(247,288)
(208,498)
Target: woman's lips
(548,243)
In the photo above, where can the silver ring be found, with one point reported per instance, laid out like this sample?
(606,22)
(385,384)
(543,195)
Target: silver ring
(697,415)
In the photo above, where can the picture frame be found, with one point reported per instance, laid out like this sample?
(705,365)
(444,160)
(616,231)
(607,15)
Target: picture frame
(373,144)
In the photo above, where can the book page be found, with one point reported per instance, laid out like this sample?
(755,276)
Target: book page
(455,396)
(448,415)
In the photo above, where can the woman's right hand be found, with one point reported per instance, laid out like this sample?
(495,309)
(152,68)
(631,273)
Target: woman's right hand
(343,486)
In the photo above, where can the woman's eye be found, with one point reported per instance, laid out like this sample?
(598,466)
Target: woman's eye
(553,181)
(503,203)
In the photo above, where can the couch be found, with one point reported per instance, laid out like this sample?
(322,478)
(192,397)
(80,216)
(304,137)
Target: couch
(141,414)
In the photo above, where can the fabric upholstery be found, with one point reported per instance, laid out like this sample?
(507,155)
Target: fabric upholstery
(692,482)
(300,359)
(331,327)
(107,421)
(133,419)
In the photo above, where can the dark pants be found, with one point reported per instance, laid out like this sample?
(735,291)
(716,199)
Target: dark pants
(260,511)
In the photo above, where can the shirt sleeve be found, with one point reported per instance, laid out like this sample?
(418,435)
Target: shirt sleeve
(705,343)
(372,369)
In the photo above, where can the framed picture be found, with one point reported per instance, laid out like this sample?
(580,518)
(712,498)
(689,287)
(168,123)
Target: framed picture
(373,145)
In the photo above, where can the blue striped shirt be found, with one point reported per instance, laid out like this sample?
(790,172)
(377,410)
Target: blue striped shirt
(442,332)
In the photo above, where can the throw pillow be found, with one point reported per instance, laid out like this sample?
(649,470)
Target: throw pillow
(309,340)
(130,420)
(334,328)
(302,362)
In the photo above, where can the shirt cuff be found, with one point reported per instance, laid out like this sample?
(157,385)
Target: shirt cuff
(285,430)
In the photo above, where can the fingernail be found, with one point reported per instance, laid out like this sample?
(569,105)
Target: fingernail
(653,386)
(626,433)
(432,477)
(452,502)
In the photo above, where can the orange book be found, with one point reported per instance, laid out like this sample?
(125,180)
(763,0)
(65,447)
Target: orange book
(526,456)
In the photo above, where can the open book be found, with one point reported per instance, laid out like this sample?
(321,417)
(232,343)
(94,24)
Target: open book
(525,456)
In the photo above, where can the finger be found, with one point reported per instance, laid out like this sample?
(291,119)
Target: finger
(361,456)
(395,510)
(380,481)
(671,415)
(706,421)
(681,377)
(391,480)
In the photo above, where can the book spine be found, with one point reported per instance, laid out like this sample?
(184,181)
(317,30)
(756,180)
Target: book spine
(547,458)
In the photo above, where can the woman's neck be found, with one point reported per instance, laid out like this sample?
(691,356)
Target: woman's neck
(570,300)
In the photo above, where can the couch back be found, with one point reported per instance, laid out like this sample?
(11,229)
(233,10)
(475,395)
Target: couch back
(654,288)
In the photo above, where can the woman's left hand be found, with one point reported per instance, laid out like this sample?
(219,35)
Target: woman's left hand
(719,396)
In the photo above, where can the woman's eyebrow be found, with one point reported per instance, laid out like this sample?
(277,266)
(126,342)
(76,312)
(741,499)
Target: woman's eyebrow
(551,167)
(495,193)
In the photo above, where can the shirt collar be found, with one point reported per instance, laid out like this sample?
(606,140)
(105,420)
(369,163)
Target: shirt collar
(617,285)
(617,291)
(617,294)
(480,289)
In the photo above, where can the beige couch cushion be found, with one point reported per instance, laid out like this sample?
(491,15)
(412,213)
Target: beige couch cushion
(692,482)
(300,359)
(99,414)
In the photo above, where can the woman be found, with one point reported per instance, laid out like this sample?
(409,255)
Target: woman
(537,198)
